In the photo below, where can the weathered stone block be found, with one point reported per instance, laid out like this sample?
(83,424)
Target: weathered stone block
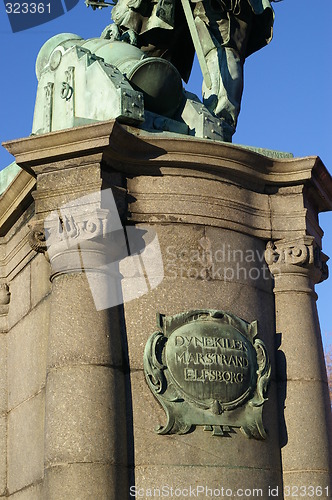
(204,199)
(215,481)
(18,250)
(20,296)
(199,448)
(3,374)
(3,323)
(83,412)
(40,279)
(3,455)
(34,492)
(302,362)
(85,482)
(314,456)
(27,347)
(237,257)
(26,443)
(73,182)
(207,253)
(308,484)
(86,334)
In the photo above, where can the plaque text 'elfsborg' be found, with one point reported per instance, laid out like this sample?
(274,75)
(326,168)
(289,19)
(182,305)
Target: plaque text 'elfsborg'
(207,367)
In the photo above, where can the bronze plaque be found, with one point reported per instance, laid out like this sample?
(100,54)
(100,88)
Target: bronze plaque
(205,367)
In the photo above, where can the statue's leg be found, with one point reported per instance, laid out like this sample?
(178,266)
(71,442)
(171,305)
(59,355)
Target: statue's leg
(224,97)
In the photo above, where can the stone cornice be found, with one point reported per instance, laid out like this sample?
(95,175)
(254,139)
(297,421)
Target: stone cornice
(233,162)
(15,200)
(16,252)
(320,189)
(138,152)
(34,151)
(285,194)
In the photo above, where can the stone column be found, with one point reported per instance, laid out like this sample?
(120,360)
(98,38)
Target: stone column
(4,308)
(303,392)
(85,415)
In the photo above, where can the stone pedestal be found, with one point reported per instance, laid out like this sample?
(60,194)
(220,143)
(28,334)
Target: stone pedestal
(213,208)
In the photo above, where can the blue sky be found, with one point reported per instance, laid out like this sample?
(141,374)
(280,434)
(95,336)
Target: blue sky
(286,105)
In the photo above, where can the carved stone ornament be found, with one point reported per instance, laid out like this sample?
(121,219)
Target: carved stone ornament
(282,256)
(4,298)
(70,228)
(207,368)
(36,236)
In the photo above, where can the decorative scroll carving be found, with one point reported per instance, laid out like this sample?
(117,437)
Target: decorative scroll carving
(4,298)
(76,238)
(286,256)
(75,228)
(67,229)
(207,368)
(320,260)
(37,239)
(4,294)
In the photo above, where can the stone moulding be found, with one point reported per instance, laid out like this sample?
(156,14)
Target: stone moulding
(256,193)
(15,200)
(207,368)
(139,152)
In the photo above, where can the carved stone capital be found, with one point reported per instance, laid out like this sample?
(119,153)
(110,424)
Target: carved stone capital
(4,299)
(68,229)
(83,239)
(287,257)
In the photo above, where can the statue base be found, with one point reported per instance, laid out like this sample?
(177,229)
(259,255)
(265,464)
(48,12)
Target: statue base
(221,228)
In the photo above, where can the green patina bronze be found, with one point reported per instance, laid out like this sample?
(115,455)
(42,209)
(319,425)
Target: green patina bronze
(84,81)
(7,175)
(222,32)
(133,71)
(207,368)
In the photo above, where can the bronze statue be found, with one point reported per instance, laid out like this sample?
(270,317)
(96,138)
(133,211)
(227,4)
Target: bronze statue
(223,33)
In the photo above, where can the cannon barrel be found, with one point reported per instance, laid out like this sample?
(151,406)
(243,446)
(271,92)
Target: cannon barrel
(156,78)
